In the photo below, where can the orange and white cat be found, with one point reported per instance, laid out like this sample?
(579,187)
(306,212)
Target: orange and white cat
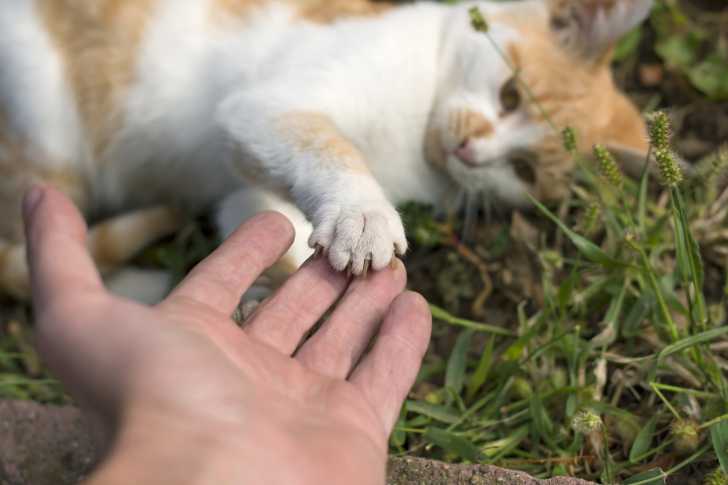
(331,111)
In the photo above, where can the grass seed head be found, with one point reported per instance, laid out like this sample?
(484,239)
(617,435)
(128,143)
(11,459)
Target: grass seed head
(686,433)
(717,477)
(719,163)
(660,130)
(522,388)
(670,170)
(589,223)
(586,421)
(569,139)
(608,167)
(478,21)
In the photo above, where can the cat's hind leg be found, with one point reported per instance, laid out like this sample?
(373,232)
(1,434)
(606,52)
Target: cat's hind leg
(112,243)
(247,202)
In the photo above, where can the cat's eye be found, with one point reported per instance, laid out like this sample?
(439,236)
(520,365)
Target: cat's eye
(524,170)
(510,97)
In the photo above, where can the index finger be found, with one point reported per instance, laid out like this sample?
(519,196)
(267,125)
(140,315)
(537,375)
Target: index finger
(220,280)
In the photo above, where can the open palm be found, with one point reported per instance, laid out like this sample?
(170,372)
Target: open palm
(180,387)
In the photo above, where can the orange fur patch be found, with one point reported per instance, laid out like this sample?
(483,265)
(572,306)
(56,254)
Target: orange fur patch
(570,91)
(434,148)
(18,172)
(315,133)
(329,11)
(225,10)
(471,124)
(99,43)
(115,241)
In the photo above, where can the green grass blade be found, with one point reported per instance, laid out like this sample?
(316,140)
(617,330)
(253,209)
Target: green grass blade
(457,363)
(587,248)
(476,381)
(454,443)
(443,414)
(643,441)
(652,477)
(690,261)
(719,437)
(692,341)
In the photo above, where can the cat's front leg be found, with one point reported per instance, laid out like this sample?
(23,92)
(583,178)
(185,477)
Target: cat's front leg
(356,226)
(327,176)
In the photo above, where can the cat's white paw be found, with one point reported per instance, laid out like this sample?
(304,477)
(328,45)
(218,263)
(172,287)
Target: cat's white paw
(358,237)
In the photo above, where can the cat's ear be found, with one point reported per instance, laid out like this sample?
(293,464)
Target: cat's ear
(590,28)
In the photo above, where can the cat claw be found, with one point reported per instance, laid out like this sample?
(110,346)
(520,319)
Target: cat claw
(367,265)
(318,251)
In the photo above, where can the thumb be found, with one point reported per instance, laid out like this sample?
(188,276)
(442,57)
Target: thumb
(61,268)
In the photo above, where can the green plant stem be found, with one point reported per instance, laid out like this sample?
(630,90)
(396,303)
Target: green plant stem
(717,420)
(657,391)
(666,315)
(441,314)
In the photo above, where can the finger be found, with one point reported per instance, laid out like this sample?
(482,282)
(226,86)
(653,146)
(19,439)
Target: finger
(335,348)
(283,319)
(61,268)
(387,373)
(220,280)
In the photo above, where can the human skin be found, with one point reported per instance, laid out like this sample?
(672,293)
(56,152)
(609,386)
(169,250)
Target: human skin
(185,396)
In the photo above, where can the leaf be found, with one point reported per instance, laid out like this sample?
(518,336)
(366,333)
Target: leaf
(719,437)
(638,312)
(454,443)
(480,375)
(653,477)
(457,363)
(543,427)
(437,412)
(689,259)
(680,50)
(611,321)
(688,342)
(711,77)
(643,441)
(628,45)
(590,250)
(398,437)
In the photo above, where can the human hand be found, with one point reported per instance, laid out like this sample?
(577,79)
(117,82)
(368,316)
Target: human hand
(186,396)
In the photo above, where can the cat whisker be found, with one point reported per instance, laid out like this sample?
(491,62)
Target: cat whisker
(487,204)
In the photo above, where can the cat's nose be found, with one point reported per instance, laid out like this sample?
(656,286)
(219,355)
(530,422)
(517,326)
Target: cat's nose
(466,153)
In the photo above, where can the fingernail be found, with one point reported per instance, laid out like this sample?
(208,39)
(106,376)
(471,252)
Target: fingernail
(32,199)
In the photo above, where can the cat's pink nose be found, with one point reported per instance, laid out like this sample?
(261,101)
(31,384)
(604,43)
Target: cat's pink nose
(466,153)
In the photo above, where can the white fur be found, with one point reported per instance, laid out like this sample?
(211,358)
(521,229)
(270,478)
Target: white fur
(142,285)
(33,89)
(246,202)
(209,96)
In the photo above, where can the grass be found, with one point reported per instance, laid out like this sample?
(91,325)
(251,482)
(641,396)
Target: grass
(623,336)
(588,339)
(617,373)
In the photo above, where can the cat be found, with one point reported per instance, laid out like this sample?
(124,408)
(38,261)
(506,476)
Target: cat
(333,112)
